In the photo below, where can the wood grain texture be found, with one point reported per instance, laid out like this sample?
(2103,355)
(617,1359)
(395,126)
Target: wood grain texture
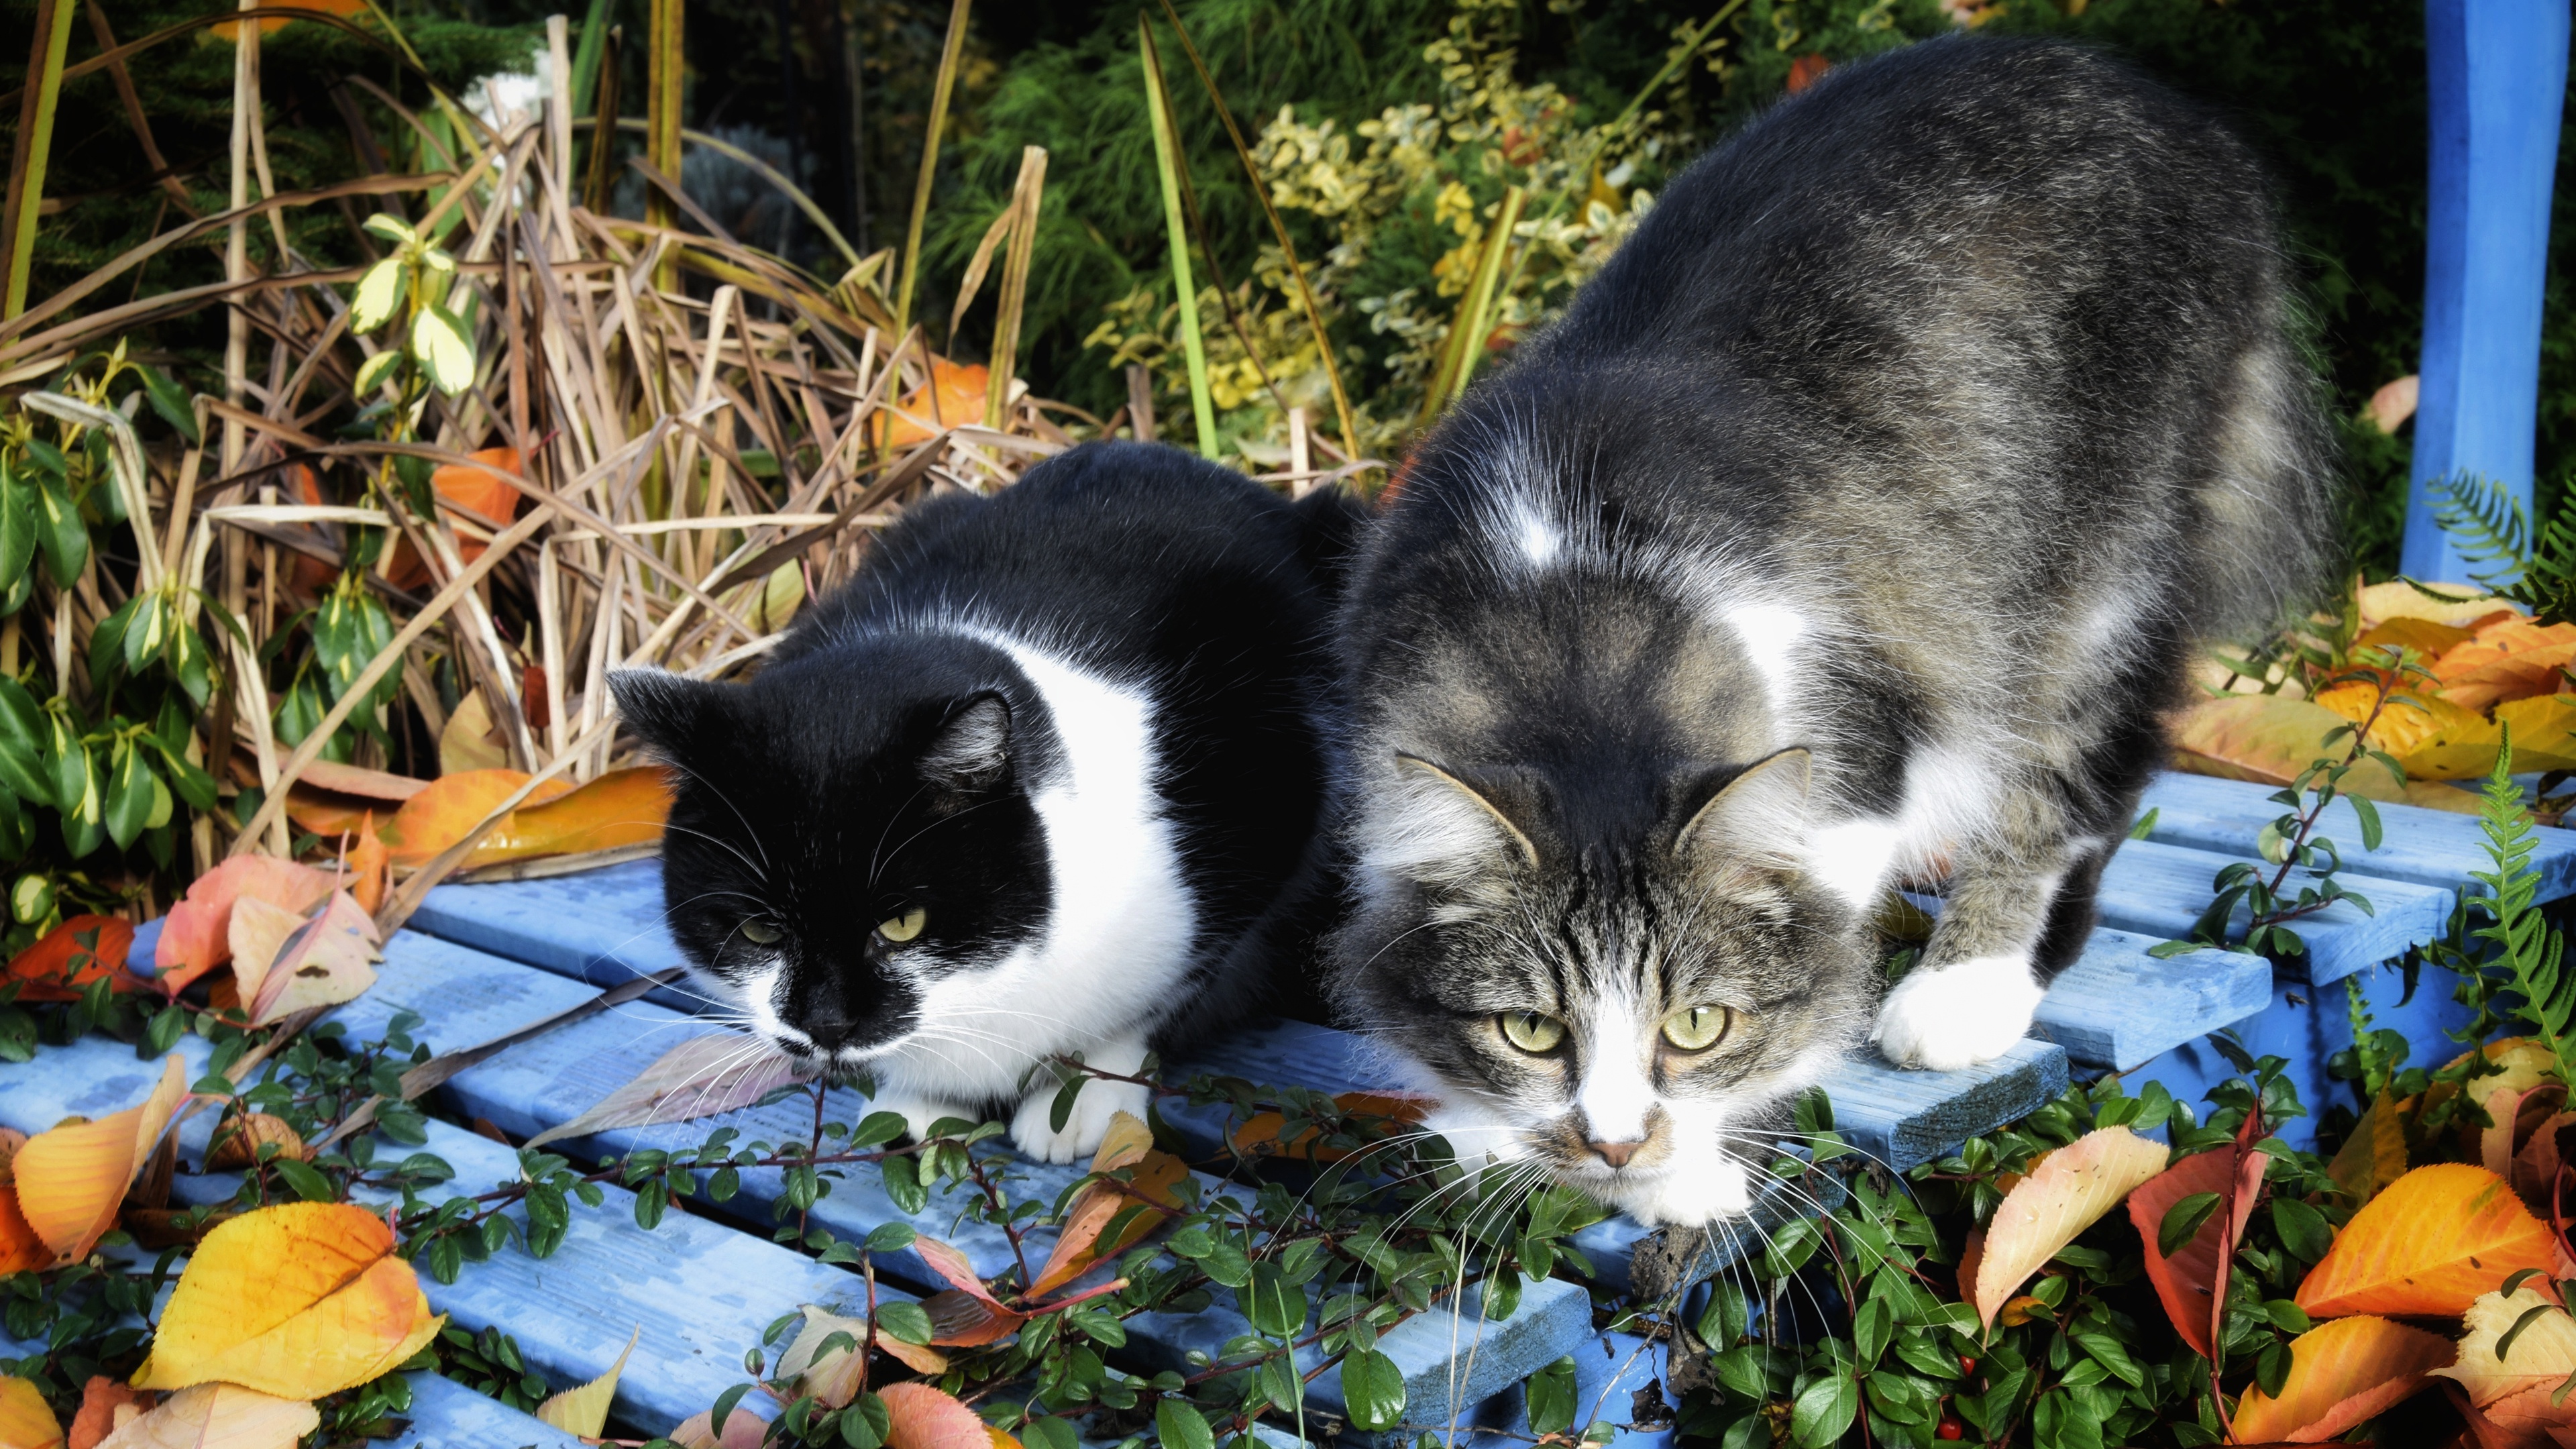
(2427,847)
(2160,890)
(2118,1007)
(447,1415)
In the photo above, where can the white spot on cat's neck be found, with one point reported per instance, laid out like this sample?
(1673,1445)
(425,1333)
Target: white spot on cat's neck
(1769,634)
(1537,539)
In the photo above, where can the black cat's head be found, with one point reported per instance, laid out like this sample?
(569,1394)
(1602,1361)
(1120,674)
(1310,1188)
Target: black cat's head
(847,829)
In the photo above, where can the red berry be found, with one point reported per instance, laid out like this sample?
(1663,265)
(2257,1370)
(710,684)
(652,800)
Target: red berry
(1950,1428)
(1967,1365)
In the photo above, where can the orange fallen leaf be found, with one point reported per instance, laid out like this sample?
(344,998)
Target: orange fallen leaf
(967,1316)
(2398,599)
(219,1416)
(828,1370)
(1259,1135)
(367,868)
(1972,1256)
(1127,1146)
(70,1180)
(2268,739)
(478,493)
(2506,659)
(299,1300)
(2341,1373)
(743,1430)
(2066,1192)
(2529,1418)
(622,807)
(73,955)
(921,1417)
(26,1420)
(954,398)
(2429,638)
(21,1250)
(197,935)
(2429,1245)
(2544,1352)
(439,816)
(106,1406)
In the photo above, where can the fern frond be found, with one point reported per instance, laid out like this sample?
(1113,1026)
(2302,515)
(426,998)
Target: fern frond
(2526,945)
(2489,526)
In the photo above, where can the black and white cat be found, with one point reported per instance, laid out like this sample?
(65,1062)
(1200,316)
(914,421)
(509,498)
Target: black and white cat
(1045,778)
(1854,523)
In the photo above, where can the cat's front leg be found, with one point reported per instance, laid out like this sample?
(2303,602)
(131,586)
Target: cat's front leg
(2003,935)
(1033,1129)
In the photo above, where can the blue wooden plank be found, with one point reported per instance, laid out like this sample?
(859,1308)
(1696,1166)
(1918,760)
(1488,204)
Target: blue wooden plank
(2118,1007)
(2428,847)
(447,1415)
(1610,1370)
(2160,890)
(702,1292)
(1451,1357)
(2306,1026)
(2498,73)
(601,926)
(554,1077)
(1904,1119)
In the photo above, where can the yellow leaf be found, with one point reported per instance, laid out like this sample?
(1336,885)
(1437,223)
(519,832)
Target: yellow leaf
(621,807)
(300,1300)
(2341,1374)
(2066,1192)
(2543,1353)
(71,1179)
(2544,731)
(2268,739)
(257,932)
(583,1412)
(218,1416)
(26,1420)
(2375,1154)
(438,341)
(2398,599)
(834,1374)
(2429,1245)
(378,291)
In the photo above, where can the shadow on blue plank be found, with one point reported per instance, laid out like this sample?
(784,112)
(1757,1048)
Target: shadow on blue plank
(600,926)
(1610,1370)
(2161,890)
(570,1312)
(2427,847)
(2118,1007)
(447,1415)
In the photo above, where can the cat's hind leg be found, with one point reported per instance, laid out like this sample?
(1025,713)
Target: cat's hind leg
(1033,1129)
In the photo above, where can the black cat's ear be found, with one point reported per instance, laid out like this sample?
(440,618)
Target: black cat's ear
(1759,815)
(667,711)
(1451,828)
(972,750)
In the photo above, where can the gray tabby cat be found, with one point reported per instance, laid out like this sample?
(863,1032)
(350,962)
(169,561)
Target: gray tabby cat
(1854,525)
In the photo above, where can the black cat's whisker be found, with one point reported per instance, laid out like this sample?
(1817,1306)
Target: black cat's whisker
(750,831)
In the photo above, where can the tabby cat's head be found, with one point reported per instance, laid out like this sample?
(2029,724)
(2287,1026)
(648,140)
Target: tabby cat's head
(849,830)
(1615,995)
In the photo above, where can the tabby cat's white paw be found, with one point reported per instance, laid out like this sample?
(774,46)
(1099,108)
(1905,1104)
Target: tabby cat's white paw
(1033,1130)
(1965,1013)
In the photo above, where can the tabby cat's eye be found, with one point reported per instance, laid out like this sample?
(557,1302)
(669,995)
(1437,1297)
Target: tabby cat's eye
(761,933)
(1699,1028)
(1530,1031)
(904,927)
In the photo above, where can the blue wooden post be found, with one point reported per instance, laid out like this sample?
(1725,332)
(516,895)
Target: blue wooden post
(2499,77)
(2497,86)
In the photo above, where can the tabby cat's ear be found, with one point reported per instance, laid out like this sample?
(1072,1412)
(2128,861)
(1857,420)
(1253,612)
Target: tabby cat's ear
(1759,813)
(667,711)
(972,749)
(1454,827)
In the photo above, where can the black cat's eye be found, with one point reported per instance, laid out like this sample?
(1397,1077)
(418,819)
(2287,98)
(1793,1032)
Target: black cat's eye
(902,928)
(1530,1031)
(1698,1028)
(762,933)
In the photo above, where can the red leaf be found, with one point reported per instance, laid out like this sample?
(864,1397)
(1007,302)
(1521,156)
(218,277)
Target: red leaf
(197,936)
(971,1315)
(2183,1280)
(72,955)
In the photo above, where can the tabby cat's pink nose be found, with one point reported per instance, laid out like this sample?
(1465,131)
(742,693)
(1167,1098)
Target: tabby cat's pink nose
(1616,1153)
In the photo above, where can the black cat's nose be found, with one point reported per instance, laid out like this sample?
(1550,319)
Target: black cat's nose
(1616,1153)
(828,1028)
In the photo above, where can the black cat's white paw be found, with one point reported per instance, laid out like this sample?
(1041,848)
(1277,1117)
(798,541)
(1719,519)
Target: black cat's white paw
(1963,1014)
(1033,1130)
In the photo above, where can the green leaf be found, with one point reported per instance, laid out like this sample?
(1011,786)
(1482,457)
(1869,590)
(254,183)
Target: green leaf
(1550,1397)
(17,526)
(905,1321)
(128,808)
(902,1179)
(394,229)
(439,343)
(732,1396)
(891,1238)
(61,533)
(170,400)
(865,1423)
(2369,813)
(1373,1388)
(2182,1220)
(1060,1111)
(1181,1426)
(22,744)
(2303,1229)
(373,370)
(144,633)
(1275,1306)
(1048,1432)
(379,292)
(308,1184)
(1824,1411)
